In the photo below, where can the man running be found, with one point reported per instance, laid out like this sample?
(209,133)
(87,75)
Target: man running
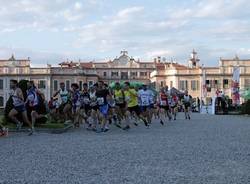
(164,106)
(19,107)
(76,104)
(120,102)
(64,102)
(85,104)
(102,94)
(94,107)
(187,101)
(34,101)
(132,108)
(174,104)
(144,102)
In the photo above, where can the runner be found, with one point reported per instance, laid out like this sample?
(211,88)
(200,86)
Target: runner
(85,105)
(76,104)
(19,107)
(102,94)
(64,102)
(144,102)
(164,106)
(94,107)
(34,101)
(132,108)
(174,104)
(153,109)
(120,103)
(187,101)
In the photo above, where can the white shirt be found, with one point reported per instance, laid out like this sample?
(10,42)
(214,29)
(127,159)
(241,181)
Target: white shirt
(145,97)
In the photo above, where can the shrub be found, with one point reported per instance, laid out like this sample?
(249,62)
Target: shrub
(245,108)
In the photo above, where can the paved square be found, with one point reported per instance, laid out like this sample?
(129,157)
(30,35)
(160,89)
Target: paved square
(207,149)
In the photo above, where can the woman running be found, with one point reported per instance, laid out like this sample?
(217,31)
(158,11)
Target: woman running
(187,101)
(19,107)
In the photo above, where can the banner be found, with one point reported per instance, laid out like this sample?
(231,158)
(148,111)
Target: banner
(235,88)
(204,86)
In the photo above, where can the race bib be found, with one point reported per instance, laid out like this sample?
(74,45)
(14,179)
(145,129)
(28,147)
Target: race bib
(144,101)
(127,98)
(92,104)
(119,100)
(86,100)
(100,101)
(163,103)
(111,103)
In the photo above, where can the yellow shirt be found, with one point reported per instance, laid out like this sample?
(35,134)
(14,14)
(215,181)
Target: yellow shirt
(119,96)
(131,97)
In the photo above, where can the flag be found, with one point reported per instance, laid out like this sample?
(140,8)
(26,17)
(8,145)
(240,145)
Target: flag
(235,88)
(204,86)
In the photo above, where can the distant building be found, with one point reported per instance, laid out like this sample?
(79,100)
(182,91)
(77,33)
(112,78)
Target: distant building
(190,77)
(124,68)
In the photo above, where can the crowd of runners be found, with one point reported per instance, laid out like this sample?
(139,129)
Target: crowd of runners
(99,106)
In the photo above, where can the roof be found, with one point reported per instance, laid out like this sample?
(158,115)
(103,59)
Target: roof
(179,66)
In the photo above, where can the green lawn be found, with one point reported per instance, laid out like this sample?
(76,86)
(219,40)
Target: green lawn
(49,125)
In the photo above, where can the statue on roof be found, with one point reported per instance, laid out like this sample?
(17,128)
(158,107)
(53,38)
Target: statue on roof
(12,58)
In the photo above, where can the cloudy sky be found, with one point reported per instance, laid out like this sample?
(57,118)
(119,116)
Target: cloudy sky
(52,31)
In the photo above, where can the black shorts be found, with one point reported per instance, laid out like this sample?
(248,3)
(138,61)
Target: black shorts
(173,107)
(144,108)
(61,107)
(95,108)
(121,106)
(152,106)
(135,109)
(87,108)
(164,107)
(20,108)
(35,108)
(187,105)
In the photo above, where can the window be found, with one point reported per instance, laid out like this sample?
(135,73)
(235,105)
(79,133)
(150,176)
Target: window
(104,74)
(183,85)
(114,74)
(124,75)
(11,70)
(55,85)
(1,101)
(67,84)
(162,83)
(80,85)
(247,83)
(90,83)
(41,84)
(171,84)
(143,74)
(1,84)
(194,85)
(225,83)
(207,82)
(133,74)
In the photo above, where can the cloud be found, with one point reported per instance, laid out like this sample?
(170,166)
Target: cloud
(156,53)
(95,28)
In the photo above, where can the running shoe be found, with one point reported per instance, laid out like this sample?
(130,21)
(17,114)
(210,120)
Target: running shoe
(161,122)
(126,127)
(19,126)
(31,132)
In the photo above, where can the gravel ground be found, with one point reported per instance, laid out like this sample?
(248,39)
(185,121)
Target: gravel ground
(207,149)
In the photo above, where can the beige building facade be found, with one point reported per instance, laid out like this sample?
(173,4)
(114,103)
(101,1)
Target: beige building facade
(126,68)
(190,77)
